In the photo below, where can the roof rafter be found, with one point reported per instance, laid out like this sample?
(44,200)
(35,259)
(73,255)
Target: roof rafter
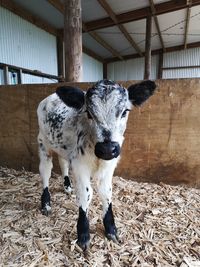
(156,52)
(153,11)
(60,7)
(187,26)
(141,13)
(110,12)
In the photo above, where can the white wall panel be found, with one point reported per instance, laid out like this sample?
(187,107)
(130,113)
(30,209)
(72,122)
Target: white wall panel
(92,69)
(190,57)
(25,45)
(132,69)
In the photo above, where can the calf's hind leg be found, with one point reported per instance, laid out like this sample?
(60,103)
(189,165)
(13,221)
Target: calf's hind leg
(45,168)
(64,166)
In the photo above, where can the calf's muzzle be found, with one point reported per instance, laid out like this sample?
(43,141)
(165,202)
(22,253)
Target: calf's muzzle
(107,150)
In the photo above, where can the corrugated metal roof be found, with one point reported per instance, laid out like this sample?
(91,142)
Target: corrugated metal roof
(172,25)
(114,37)
(90,43)
(92,10)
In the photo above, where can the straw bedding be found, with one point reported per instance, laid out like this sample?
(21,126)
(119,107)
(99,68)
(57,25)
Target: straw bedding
(158,225)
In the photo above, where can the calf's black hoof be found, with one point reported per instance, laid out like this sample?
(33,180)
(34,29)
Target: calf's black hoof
(46,210)
(45,202)
(84,241)
(113,237)
(67,185)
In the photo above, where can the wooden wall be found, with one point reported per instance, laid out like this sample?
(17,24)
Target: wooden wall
(162,138)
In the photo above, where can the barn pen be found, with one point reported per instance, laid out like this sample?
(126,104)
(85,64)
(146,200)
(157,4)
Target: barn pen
(153,214)
(158,223)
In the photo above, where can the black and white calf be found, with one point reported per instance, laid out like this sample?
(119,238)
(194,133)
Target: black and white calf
(86,131)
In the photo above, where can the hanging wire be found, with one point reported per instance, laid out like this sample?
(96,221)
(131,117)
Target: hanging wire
(156,34)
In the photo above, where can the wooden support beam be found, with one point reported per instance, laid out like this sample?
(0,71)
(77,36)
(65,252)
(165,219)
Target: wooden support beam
(5,74)
(25,14)
(153,12)
(105,70)
(59,6)
(102,42)
(92,54)
(19,76)
(73,40)
(147,70)
(187,26)
(156,52)
(141,13)
(160,65)
(60,56)
(110,12)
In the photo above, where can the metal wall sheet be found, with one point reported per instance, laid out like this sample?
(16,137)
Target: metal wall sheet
(190,57)
(25,45)
(92,69)
(132,69)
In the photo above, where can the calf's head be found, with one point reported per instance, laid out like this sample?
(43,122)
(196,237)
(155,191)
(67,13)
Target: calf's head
(106,106)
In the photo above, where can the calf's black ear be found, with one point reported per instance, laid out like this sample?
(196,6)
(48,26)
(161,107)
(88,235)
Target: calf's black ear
(73,97)
(140,92)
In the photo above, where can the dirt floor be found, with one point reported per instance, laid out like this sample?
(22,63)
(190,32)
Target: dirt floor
(158,225)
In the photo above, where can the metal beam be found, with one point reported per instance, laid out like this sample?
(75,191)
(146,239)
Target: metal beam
(141,13)
(110,12)
(153,11)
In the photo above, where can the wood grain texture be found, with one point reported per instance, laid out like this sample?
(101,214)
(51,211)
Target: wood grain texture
(73,40)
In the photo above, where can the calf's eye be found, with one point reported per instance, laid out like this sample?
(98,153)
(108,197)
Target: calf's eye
(88,115)
(125,112)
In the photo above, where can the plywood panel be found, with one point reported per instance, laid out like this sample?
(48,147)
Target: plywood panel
(162,139)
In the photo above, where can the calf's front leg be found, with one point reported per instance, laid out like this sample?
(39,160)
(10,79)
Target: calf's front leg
(84,194)
(105,193)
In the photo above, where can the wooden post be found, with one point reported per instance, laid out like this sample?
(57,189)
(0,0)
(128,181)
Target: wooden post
(19,76)
(105,73)
(160,65)
(6,75)
(60,56)
(147,70)
(73,40)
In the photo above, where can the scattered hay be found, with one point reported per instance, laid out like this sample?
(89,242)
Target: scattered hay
(159,225)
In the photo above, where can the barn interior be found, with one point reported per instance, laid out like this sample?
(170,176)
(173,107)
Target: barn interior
(156,184)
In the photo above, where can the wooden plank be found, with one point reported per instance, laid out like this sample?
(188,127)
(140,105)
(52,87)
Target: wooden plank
(58,5)
(73,40)
(141,13)
(187,26)
(110,12)
(147,64)
(153,11)
(25,14)
(156,51)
